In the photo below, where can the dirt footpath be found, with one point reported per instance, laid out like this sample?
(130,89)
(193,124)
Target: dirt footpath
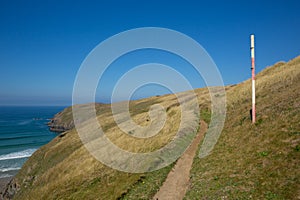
(177,182)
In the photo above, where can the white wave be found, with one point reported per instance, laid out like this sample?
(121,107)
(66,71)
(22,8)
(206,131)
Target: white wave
(5,175)
(10,169)
(20,154)
(25,122)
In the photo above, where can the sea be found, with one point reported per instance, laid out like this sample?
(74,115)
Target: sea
(22,131)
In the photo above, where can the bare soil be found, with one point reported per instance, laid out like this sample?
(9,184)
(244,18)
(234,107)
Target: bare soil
(177,182)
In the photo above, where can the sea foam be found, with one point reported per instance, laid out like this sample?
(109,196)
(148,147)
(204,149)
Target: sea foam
(20,154)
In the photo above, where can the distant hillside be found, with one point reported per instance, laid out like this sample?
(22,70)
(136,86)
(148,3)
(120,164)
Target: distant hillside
(259,161)
(63,121)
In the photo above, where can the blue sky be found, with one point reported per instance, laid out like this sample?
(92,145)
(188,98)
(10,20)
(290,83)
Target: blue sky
(43,43)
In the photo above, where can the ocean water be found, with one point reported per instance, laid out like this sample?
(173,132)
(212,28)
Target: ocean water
(22,131)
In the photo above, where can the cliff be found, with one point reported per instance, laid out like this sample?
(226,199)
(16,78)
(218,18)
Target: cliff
(62,121)
(250,161)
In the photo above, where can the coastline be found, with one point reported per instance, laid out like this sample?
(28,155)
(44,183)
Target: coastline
(28,131)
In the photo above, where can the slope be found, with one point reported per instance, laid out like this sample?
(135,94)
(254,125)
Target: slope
(64,169)
(258,161)
(261,160)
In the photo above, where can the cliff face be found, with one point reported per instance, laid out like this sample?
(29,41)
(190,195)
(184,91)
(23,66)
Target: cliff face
(9,192)
(56,124)
(62,121)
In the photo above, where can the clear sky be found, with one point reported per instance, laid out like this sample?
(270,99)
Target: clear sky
(43,43)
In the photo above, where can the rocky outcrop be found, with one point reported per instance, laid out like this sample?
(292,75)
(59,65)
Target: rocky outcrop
(10,190)
(56,125)
(62,121)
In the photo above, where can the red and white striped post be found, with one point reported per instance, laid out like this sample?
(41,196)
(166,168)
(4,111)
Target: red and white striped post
(253,77)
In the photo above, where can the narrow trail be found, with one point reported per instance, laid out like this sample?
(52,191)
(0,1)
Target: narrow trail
(177,181)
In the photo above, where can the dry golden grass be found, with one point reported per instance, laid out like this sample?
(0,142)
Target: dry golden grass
(258,161)
(249,161)
(64,169)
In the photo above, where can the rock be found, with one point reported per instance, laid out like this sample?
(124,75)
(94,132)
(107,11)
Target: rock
(11,189)
(62,121)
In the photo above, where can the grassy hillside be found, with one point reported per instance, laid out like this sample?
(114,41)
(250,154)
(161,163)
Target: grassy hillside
(64,169)
(259,161)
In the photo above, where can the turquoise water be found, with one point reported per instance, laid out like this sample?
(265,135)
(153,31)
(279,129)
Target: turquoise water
(22,131)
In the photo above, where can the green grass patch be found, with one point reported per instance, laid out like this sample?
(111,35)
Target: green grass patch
(205,115)
(148,184)
(261,161)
